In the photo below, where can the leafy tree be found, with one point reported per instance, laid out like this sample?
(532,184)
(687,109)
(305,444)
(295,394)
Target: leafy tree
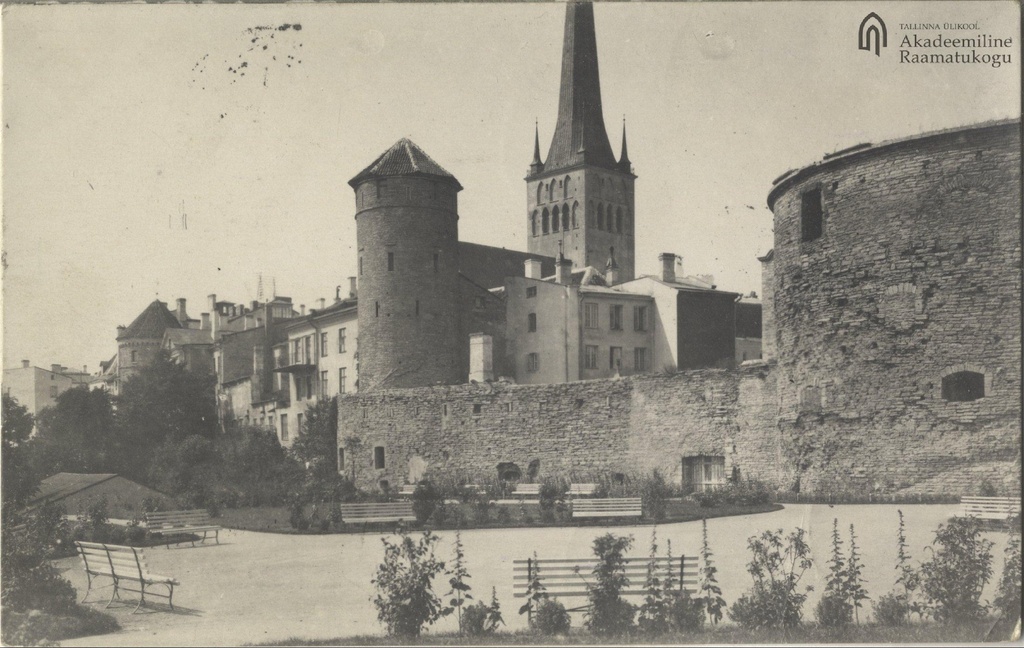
(255,463)
(77,434)
(19,481)
(776,599)
(187,468)
(609,613)
(316,444)
(1008,595)
(960,567)
(405,598)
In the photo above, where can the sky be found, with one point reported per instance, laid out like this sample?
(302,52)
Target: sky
(165,151)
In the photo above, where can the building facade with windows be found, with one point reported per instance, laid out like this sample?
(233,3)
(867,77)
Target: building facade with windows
(37,388)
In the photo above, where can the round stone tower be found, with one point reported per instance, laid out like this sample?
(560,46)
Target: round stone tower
(407,234)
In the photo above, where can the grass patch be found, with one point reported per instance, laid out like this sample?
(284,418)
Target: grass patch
(919,633)
(275,519)
(36,627)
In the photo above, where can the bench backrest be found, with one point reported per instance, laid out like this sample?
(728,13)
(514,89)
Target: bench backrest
(370,511)
(608,505)
(582,489)
(171,519)
(990,506)
(527,489)
(571,577)
(111,560)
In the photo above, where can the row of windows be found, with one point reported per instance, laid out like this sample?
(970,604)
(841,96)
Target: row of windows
(549,222)
(304,385)
(378,458)
(591,358)
(550,191)
(391,262)
(591,317)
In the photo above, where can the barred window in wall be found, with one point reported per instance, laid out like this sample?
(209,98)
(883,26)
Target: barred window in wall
(324,390)
(323,345)
(640,359)
(639,318)
(378,457)
(590,357)
(531,292)
(341,340)
(284,427)
(615,318)
(341,380)
(704,473)
(590,316)
(532,362)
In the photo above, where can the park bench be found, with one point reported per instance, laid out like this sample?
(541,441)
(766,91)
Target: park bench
(407,490)
(523,491)
(372,512)
(567,578)
(122,564)
(582,490)
(989,508)
(607,507)
(174,523)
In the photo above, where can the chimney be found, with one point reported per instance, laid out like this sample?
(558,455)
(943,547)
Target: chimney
(563,270)
(120,331)
(321,303)
(611,269)
(182,317)
(85,369)
(25,363)
(255,304)
(302,309)
(204,324)
(55,368)
(211,303)
(533,269)
(352,287)
(481,357)
(668,266)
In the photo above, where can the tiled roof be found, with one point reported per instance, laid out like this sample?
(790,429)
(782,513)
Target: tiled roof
(188,336)
(61,485)
(403,159)
(487,266)
(151,323)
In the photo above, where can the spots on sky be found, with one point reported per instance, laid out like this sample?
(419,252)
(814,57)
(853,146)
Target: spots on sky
(266,48)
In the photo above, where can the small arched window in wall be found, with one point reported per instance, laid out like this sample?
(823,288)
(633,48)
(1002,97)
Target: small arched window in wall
(565,188)
(565,217)
(554,219)
(545,226)
(963,386)
(378,457)
(540,188)
(590,213)
(600,216)
(533,223)
(628,224)
(575,217)
(618,220)
(551,191)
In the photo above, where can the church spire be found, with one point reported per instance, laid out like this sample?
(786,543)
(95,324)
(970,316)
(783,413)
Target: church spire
(536,166)
(580,136)
(624,163)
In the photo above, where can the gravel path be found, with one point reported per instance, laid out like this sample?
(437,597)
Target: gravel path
(257,587)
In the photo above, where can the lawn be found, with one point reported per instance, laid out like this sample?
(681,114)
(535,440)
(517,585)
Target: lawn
(918,633)
(276,519)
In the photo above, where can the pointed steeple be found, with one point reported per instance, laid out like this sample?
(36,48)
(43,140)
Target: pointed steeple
(580,136)
(624,163)
(536,166)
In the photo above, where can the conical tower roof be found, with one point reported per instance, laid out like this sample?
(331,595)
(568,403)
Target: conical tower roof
(151,323)
(404,158)
(580,136)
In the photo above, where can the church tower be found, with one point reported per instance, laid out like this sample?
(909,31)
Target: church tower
(581,197)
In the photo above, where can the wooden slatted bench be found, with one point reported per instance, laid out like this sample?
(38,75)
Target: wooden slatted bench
(567,578)
(526,490)
(407,490)
(582,490)
(174,523)
(373,512)
(121,564)
(989,508)
(608,507)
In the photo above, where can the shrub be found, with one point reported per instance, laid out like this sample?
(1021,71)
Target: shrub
(482,509)
(776,599)
(30,581)
(960,567)
(833,611)
(424,500)
(38,628)
(48,529)
(892,609)
(654,492)
(1008,595)
(744,493)
(685,614)
(405,598)
(550,618)
(609,614)
(550,496)
(483,619)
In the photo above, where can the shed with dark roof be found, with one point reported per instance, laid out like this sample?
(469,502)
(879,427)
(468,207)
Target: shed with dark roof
(76,492)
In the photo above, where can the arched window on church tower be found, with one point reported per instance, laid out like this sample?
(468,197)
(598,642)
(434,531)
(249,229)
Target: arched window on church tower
(618,220)
(533,223)
(628,224)
(554,219)
(551,191)
(591,214)
(600,216)
(565,188)
(544,221)
(575,216)
(540,188)
(565,217)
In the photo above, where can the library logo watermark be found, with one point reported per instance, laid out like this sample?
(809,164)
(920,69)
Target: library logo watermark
(936,43)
